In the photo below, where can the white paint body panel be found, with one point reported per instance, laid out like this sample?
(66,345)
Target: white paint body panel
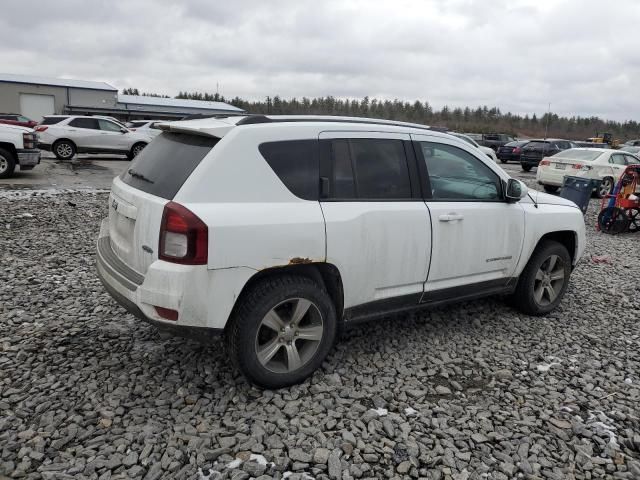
(381,249)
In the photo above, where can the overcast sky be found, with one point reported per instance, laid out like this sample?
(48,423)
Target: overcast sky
(582,56)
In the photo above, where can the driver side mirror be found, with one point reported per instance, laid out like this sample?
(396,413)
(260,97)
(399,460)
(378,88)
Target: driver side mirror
(515,191)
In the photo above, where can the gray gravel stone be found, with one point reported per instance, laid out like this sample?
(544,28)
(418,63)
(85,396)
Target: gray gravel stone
(88,391)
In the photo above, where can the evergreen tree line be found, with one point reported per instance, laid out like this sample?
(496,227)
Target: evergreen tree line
(481,119)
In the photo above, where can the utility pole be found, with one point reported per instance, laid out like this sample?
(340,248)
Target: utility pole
(546,128)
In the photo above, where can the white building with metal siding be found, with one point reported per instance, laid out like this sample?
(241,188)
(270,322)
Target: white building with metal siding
(35,96)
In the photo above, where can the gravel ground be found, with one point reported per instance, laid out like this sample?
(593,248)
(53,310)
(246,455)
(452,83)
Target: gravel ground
(473,391)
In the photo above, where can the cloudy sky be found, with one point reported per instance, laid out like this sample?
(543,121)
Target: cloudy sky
(582,56)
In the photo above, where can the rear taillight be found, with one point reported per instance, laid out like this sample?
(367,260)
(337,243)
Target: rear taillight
(167,313)
(545,162)
(29,140)
(516,150)
(41,128)
(184,238)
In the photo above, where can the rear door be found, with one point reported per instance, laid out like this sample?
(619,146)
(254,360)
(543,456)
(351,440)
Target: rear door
(377,225)
(138,196)
(477,237)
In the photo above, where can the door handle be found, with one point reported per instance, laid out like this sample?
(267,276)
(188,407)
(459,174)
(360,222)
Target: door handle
(450,217)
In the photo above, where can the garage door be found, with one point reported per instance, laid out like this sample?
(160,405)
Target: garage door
(36,106)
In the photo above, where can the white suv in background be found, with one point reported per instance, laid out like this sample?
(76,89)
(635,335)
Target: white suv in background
(276,231)
(66,135)
(149,127)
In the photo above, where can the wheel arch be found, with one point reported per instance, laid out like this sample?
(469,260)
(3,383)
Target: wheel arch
(58,140)
(326,275)
(567,238)
(11,148)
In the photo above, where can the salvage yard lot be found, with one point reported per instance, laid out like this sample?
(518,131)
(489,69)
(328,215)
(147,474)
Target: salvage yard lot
(471,391)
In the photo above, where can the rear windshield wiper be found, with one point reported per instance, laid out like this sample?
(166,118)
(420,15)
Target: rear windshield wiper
(135,174)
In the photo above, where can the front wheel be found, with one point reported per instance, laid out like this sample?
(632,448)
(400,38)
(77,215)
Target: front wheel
(7,163)
(504,160)
(544,280)
(525,168)
(281,331)
(550,188)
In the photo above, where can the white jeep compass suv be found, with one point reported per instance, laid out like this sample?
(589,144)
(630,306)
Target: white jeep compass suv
(277,231)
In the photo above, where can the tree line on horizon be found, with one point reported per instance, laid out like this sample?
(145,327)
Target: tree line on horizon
(481,119)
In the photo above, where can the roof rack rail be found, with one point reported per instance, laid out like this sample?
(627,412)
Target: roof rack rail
(257,119)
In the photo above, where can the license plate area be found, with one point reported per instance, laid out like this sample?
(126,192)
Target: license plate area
(560,166)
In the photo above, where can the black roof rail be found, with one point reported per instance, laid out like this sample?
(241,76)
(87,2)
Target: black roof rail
(257,119)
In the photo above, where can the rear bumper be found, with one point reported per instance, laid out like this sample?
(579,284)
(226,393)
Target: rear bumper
(138,294)
(547,176)
(28,157)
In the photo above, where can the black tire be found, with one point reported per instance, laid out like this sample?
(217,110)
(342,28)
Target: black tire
(525,168)
(606,187)
(550,188)
(523,298)
(7,163)
(246,326)
(504,160)
(135,150)
(64,149)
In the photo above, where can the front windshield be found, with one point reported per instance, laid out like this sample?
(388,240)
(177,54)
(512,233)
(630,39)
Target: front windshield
(578,154)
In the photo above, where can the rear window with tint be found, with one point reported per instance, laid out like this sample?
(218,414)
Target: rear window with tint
(165,164)
(574,154)
(295,162)
(51,120)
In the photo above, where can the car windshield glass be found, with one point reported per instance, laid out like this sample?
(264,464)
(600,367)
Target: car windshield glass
(466,139)
(165,164)
(51,120)
(631,149)
(575,154)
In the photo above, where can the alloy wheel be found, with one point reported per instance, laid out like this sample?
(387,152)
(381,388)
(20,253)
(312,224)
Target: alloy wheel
(4,165)
(289,335)
(137,149)
(549,280)
(605,187)
(64,150)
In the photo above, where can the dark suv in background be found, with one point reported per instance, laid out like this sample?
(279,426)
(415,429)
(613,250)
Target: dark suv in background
(535,150)
(511,151)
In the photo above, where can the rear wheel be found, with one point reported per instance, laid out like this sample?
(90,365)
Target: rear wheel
(135,150)
(525,167)
(282,330)
(7,163)
(64,149)
(606,186)
(504,160)
(550,188)
(613,220)
(544,280)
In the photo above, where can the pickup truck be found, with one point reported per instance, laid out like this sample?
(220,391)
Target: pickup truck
(17,148)
(495,140)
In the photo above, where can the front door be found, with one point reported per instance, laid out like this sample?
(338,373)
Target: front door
(377,224)
(477,236)
(112,137)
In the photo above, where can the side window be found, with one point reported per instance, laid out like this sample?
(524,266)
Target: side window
(631,160)
(455,174)
(342,182)
(618,159)
(90,123)
(380,168)
(108,126)
(369,169)
(295,162)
